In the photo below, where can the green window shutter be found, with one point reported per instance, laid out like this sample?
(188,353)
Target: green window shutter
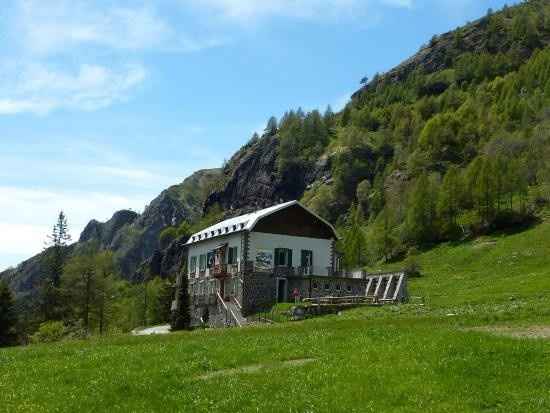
(278,257)
(289,255)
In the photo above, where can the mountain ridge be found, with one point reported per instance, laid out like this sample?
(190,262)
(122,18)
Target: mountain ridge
(275,168)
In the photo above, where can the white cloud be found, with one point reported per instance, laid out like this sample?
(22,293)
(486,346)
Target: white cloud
(58,26)
(39,88)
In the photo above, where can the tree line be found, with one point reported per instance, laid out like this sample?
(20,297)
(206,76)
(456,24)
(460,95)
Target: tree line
(81,293)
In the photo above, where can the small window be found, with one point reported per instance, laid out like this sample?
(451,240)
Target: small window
(232,255)
(327,286)
(193,265)
(349,288)
(338,287)
(234,228)
(202,262)
(210,259)
(226,229)
(315,286)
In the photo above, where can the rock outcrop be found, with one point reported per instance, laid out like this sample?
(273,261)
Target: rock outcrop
(252,181)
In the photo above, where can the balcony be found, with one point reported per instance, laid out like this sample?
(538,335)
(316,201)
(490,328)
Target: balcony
(220,271)
(284,271)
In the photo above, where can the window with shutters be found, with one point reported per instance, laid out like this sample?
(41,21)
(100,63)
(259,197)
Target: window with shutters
(232,254)
(193,266)
(202,263)
(283,257)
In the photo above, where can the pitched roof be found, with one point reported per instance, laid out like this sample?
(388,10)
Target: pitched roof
(245,223)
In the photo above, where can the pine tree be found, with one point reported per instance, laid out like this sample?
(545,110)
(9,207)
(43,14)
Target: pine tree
(181,313)
(272,127)
(8,316)
(329,118)
(55,257)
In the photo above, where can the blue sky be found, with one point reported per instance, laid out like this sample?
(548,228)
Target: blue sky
(105,103)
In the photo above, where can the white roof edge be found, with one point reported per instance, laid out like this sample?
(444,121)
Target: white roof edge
(247,222)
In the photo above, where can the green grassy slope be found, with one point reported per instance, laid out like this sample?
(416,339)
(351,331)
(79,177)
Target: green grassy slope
(490,271)
(413,357)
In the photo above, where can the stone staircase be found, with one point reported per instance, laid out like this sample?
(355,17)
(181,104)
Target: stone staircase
(230,311)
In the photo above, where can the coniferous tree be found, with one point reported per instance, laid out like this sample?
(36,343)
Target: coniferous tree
(354,239)
(79,283)
(329,118)
(448,203)
(8,316)
(272,127)
(485,191)
(106,287)
(181,313)
(421,214)
(55,258)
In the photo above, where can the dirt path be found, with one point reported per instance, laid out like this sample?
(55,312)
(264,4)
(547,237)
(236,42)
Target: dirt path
(253,368)
(537,331)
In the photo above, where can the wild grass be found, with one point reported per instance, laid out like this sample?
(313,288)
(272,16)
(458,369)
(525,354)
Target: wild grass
(423,356)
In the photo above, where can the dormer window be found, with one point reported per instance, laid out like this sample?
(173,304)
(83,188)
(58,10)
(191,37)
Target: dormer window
(234,228)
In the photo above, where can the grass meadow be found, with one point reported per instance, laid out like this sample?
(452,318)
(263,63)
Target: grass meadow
(430,355)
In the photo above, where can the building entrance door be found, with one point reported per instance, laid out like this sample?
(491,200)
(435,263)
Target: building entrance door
(282,284)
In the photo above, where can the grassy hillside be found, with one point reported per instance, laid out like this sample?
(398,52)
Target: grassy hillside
(496,269)
(422,356)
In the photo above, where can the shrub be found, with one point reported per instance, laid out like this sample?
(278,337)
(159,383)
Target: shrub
(411,265)
(49,332)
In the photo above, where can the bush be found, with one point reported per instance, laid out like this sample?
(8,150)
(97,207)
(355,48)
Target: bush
(411,265)
(49,332)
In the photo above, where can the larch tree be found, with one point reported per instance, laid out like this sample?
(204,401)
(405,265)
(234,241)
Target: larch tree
(354,242)
(421,213)
(448,203)
(79,284)
(8,316)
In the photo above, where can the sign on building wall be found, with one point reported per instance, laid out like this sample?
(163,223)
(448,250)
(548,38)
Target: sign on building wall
(264,260)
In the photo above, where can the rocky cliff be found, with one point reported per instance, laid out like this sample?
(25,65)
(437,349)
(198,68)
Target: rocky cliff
(252,181)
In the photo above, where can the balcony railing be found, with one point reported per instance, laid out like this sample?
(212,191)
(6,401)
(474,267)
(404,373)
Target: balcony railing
(219,271)
(285,271)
